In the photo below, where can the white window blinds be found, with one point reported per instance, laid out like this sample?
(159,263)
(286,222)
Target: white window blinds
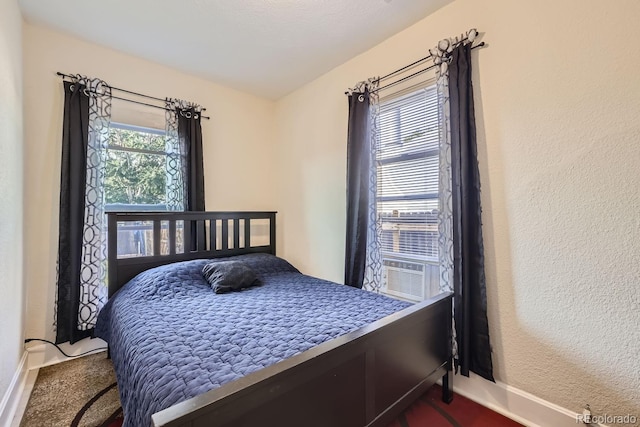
(407,167)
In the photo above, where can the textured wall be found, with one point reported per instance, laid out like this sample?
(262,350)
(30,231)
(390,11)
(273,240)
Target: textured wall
(558,112)
(11,285)
(236,143)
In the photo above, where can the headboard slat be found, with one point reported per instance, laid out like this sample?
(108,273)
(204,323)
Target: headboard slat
(247,233)
(236,233)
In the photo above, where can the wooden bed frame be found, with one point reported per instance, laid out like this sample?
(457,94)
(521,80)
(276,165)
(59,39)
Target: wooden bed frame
(364,378)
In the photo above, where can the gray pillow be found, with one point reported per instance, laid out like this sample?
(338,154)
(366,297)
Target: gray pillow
(227,276)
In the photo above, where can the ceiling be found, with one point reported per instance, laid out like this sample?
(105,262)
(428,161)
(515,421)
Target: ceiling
(266,47)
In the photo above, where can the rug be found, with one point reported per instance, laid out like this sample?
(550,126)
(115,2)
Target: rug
(83,393)
(78,393)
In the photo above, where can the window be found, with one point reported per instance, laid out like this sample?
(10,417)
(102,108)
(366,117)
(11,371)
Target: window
(407,199)
(136,171)
(136,180)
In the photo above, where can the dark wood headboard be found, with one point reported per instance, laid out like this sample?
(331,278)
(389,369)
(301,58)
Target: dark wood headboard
(138,241)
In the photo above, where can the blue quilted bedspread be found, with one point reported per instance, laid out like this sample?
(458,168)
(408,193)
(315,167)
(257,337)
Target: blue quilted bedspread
(171,337)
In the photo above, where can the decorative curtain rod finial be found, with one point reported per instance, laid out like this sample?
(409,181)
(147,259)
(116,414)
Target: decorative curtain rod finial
(472,34)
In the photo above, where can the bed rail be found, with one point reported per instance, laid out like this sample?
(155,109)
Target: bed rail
(165,237)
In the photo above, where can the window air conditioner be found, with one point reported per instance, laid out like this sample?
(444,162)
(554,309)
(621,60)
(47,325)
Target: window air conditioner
(404,279)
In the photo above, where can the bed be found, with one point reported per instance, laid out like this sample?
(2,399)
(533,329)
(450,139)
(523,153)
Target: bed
(293,351)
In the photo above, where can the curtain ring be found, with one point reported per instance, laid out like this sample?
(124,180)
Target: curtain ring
(72,88)
(361,98)
(85,91)
(195,116)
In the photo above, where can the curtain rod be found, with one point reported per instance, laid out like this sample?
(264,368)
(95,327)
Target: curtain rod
(404,78)
(68,76)
(482,44)
(417,72)
(424,59)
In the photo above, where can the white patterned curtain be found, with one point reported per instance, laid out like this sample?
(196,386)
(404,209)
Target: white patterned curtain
(175,161)
(445,208)
(373,267)
(93,285)
(440,55)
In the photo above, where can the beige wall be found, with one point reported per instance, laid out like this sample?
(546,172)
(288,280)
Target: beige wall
(11,207)
(558,117)
(237,143)
(558,113)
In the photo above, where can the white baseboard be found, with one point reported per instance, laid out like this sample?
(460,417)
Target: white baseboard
(12,397)
(514,403)
(42,355)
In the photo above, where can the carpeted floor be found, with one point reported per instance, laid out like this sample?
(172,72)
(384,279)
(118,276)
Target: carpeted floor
(78,393)
(83,393)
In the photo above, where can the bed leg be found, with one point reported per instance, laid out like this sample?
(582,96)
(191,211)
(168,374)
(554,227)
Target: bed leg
(447,385)
(108,352)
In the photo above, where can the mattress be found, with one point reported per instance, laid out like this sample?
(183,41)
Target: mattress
(172,338)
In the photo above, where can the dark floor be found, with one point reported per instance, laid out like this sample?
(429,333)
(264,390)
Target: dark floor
(429,410)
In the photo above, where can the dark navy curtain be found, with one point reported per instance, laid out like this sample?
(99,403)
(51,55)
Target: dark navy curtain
(358,188)
(190,138)
(469,283)
(75,137)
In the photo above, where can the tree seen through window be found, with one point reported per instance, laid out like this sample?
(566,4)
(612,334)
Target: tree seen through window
(136,167)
